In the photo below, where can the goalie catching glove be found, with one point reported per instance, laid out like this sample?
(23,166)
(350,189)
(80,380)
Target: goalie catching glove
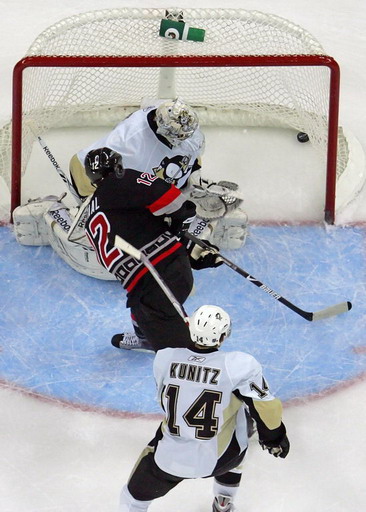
(218,204)
(203,258)
(277,448)
(214,200)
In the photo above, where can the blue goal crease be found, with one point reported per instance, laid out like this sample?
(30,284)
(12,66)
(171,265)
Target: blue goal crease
(56,324)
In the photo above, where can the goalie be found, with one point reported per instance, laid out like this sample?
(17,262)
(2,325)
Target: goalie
(163,140)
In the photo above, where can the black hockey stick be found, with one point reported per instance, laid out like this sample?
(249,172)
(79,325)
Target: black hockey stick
(337,309)
(126,247)
(58,169)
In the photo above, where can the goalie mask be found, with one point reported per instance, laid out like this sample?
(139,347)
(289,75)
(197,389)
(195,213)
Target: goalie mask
(101,162)
(176,121)
(209,326)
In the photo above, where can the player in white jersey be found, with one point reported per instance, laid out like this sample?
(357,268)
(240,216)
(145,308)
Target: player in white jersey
(143,145)
(165,140)
(204,393)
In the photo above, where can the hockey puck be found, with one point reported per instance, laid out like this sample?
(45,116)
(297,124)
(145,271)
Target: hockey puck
(302,137)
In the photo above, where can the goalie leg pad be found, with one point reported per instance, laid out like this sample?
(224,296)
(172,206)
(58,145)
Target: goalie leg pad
(80,257)
(200,228)
(48,221)
(29,222)
(231,231)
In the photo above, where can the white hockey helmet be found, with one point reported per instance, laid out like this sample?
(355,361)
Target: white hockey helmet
(176,121)
(209,326)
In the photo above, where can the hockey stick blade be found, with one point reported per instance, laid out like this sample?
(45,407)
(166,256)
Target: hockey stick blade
(335,310)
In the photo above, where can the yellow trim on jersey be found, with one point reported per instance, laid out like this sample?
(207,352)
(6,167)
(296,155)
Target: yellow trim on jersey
(270,412)
(229,416)
(82,182)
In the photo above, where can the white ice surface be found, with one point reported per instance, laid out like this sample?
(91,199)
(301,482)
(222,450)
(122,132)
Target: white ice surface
(55,459)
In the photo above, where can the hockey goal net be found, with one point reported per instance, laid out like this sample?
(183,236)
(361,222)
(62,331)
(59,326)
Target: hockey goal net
(252,69)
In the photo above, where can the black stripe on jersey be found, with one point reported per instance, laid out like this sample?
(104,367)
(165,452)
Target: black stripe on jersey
(230,459)
(265,434)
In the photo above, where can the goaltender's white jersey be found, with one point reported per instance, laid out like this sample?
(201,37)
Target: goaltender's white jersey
(142,149)
(201,394)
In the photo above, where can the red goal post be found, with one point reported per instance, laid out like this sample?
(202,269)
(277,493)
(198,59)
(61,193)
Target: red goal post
(252,69)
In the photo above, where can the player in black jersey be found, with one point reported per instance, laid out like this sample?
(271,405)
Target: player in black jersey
(152,215)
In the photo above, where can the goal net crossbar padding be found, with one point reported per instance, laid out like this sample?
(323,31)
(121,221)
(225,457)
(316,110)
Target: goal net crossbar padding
(253,69)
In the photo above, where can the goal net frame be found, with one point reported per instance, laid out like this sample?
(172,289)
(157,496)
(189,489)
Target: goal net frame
(171,61)
(227,79)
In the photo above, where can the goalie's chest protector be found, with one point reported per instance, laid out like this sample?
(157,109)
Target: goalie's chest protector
(144,150)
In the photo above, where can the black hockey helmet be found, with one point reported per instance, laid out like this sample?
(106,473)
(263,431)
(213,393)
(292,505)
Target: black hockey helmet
(101,162)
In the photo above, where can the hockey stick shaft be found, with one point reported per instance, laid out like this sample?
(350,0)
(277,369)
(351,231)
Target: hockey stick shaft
(60,172)
(126,247)
(337,309)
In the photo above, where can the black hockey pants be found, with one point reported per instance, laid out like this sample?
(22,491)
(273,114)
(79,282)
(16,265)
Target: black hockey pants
(148,482)
(154,313)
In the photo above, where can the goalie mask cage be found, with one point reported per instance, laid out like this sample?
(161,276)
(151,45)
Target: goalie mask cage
(253,69)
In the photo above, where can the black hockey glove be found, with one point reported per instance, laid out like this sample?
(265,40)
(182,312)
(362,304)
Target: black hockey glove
(204,258)
(180,220)
(178,228)
(277,448)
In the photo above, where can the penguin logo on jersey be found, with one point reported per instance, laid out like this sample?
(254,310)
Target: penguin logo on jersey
(172,170)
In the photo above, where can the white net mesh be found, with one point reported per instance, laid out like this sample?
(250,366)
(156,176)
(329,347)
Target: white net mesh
(294,96)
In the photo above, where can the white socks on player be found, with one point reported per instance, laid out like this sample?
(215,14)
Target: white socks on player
(127,502)
(225,490)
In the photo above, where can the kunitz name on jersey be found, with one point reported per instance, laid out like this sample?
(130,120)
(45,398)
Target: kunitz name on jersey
(195,373)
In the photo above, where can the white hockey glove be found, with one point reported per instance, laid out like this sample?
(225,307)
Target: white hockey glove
(219,217)
(201,187)
(214,200)
(227,190)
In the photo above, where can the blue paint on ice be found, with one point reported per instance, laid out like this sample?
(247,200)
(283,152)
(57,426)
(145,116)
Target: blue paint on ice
(56,324)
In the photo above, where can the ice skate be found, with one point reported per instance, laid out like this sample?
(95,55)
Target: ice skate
(129,341)
(222,503)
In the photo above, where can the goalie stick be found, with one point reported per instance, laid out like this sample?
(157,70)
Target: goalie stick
(61,173)
(337,309)
(126,247)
